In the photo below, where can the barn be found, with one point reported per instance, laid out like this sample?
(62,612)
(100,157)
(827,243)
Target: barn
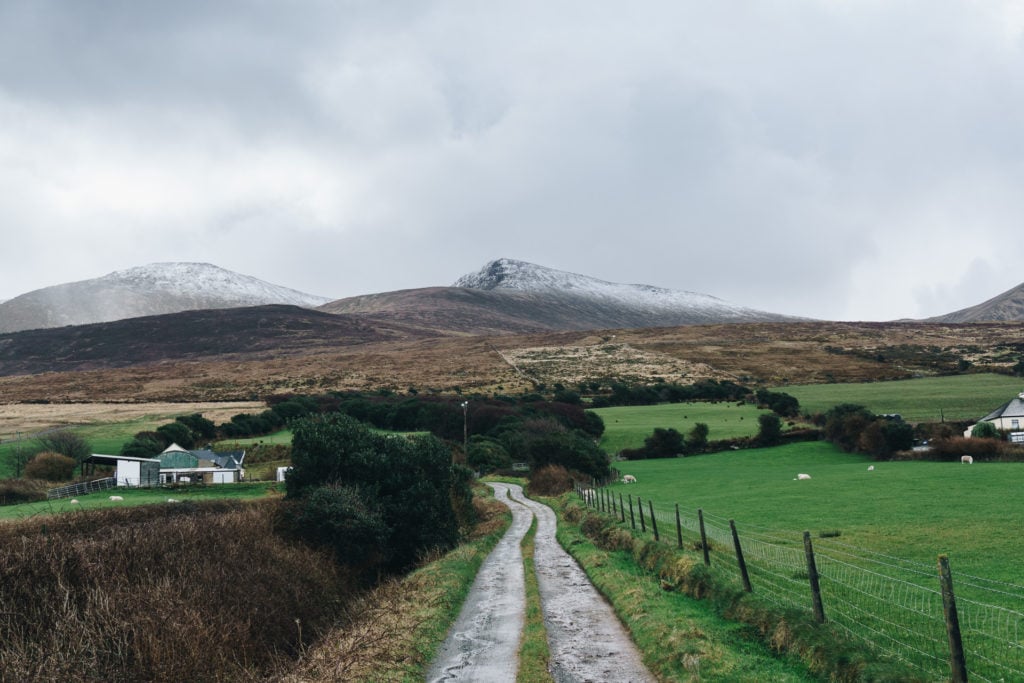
(143,472)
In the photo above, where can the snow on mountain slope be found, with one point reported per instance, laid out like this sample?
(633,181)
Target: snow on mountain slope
(509,274)
(205,279)
(154,289)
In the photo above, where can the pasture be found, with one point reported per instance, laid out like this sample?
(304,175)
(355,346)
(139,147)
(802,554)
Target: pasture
(912,510)
(132,497)
(927,399)
(877,537)
(628,426)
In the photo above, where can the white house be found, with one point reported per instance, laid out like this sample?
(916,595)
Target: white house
(1008,417)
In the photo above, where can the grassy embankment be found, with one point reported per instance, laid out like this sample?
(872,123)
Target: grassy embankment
(680,638)
(393,633)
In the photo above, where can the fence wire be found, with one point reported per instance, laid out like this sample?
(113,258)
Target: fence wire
(892,604)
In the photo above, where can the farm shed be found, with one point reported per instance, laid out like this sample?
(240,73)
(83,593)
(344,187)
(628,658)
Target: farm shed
(143,472)
(178,465)
(1009,416)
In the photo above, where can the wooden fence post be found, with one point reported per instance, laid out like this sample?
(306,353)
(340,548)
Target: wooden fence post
(632,519)
(622,511)
(654,522)
(640,507)
(812,576)
(739,558)
(679,529)
(957,662)
(703,538)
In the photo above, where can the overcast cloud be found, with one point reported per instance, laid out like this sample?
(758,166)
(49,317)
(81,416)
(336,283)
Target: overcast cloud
(832,159)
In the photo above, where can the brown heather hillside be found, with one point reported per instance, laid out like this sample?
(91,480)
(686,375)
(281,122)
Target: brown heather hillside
(320,355)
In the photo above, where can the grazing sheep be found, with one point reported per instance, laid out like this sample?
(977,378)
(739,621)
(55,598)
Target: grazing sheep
(73,501)
(628,479)
(173,500)
(116,498)
(871,468)
(803,476)
(966,459)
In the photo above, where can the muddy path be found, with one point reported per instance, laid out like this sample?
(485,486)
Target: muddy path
(586,640)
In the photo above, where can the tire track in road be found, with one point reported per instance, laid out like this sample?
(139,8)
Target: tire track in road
(483,644)
(587,641)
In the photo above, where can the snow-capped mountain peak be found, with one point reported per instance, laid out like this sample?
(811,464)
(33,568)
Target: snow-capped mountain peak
(510,274)
(154,289)
(202,279)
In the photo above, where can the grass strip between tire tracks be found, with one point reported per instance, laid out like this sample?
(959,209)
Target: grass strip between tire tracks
(534,654)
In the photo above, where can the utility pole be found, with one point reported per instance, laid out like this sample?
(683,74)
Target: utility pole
(465,427)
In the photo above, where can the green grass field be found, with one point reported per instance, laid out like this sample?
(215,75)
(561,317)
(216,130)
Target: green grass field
(877,535)
(628,426)
(912,510)
(101,499)
(929,399)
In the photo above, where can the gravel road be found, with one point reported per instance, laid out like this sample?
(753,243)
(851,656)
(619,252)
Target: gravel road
(586,640)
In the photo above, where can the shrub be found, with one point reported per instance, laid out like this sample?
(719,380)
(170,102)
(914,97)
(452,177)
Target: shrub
(769,430)
(985,430)
(66,442)
(408,482)
(551,480)
(50,466)
(340,518)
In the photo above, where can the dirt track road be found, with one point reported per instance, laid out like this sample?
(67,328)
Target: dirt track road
(586,640)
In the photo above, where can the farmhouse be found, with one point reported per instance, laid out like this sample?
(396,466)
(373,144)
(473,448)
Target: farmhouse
(1007,417)
(178,465)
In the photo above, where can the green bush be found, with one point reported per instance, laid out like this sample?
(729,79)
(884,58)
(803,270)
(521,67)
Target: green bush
(409,483)
(340,518)
(985,430)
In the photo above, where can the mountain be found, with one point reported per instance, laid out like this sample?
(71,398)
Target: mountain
(252,333)
(1008,306)
(154,289)
(509,296)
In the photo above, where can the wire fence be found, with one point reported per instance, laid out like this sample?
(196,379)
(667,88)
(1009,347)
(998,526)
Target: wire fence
(899,607)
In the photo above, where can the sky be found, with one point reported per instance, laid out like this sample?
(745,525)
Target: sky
(835,159)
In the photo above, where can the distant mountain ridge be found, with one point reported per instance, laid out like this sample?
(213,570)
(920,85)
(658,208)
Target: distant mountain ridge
(1008,306)
(510,274)
(154,289)
(510,296)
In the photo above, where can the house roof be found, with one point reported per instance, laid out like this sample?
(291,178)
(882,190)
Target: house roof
(177,458)
(101,459)
(1014,408)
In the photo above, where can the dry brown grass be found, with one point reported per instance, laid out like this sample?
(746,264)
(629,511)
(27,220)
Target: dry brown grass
(183,592)
(770,353)
(29,418)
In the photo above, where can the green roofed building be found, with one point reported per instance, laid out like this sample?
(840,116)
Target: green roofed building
(180,466)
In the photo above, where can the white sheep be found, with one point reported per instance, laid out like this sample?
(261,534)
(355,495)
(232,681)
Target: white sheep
(871,468)
(803,476)
(116,498)
(966,459)
(628,479)
(73,501)
(173,500)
